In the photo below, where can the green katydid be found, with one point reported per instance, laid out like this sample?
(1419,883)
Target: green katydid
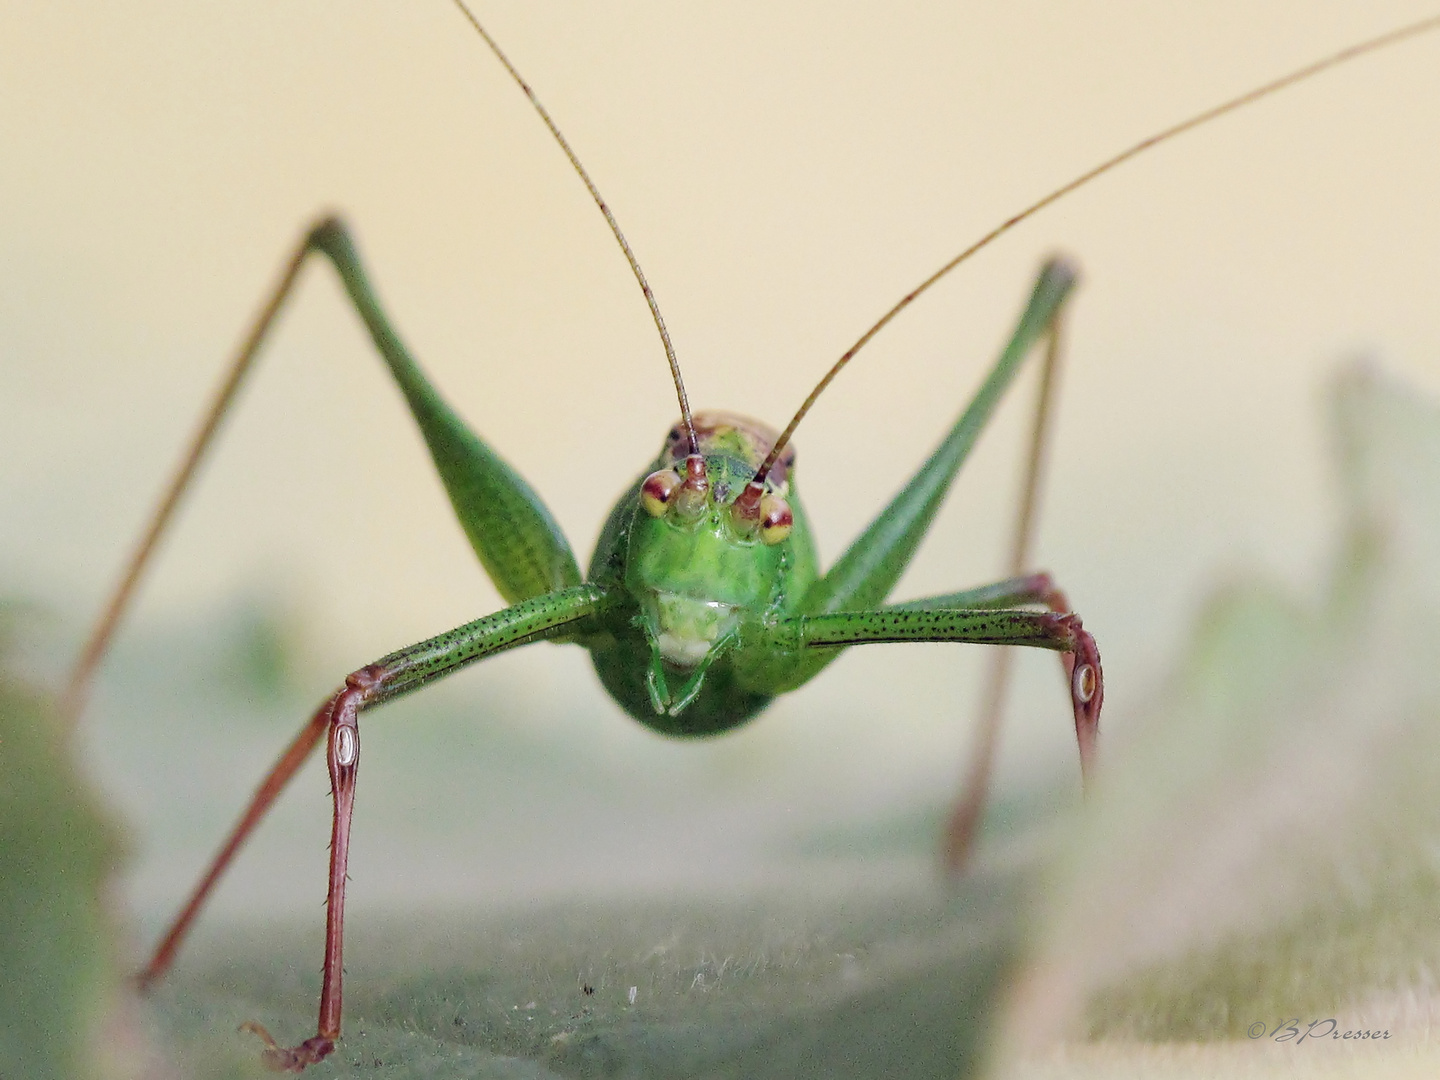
(704,598)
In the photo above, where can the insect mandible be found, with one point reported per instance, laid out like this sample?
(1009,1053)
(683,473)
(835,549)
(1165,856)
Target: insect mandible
(675,641)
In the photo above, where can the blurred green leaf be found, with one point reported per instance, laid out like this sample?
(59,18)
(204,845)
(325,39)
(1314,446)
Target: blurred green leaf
(57,852)
(1266,841)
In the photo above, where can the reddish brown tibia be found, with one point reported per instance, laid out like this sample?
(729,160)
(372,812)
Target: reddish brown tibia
(974,794)
(1085,678)
(1087,694)
(343,753)
(280,774)
(338,716)
(1083,674)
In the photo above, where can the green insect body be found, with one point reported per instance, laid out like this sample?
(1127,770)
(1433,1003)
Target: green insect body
(684,651)
(696,620)
(704,599)
(696,615)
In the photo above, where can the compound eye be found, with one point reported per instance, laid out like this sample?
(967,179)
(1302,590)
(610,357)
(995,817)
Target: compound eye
(657,491)
(776,520)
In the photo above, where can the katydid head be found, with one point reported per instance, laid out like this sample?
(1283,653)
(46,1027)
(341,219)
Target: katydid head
(709,547)
(682,488)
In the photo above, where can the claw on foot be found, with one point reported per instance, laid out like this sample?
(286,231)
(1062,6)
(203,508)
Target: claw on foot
(278,1059)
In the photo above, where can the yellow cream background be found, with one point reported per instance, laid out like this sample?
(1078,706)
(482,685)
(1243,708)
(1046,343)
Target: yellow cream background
(784,173)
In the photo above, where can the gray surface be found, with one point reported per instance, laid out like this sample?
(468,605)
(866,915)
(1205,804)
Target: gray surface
(881,985)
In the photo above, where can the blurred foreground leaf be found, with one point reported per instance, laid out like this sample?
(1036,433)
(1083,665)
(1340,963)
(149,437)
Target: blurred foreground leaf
(1266,846)
(57,852)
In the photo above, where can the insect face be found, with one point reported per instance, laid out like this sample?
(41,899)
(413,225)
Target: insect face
(703,561)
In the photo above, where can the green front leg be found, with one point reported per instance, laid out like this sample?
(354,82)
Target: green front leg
(932,620)
(869,569)
(510,528)
(554,616)
(983,626)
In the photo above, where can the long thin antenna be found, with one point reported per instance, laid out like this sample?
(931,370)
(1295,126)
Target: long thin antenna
(1345,55)
(609,220)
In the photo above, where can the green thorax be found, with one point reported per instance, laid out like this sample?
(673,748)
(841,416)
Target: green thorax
(695,590)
